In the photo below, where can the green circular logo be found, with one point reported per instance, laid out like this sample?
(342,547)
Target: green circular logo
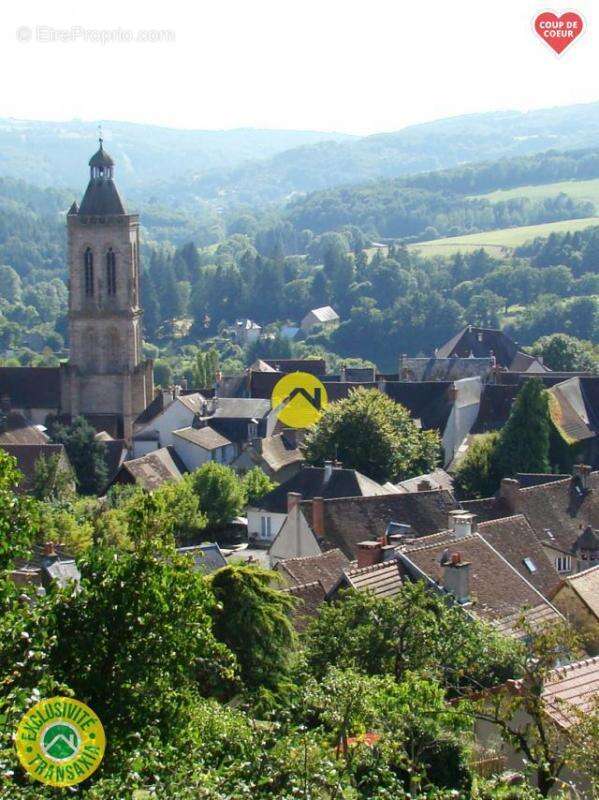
(60,742)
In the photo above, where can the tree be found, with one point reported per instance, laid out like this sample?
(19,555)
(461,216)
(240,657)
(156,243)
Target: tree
(252,619)
(220,492)
(10,284)
(52,479)
(373,434)
(523,444)
(256,484)
(563,353)
(476,476)
(163,374)
(85,453)
(520,712)
(17,519)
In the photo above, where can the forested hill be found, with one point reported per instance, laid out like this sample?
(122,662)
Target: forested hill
(56,153)
(182,167)
(419,148)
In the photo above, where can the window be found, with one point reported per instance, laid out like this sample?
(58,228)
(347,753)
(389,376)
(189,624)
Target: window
(563,564)
(111,272)
(265,527)
(530,565)
(88,261)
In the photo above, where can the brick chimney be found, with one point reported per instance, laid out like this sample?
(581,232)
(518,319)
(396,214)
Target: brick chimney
(456,578)
(424,486)
(318,516)
(369,553)
(293,498)
(510,492)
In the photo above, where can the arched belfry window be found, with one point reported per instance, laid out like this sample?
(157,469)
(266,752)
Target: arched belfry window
(111,272)
(88,262)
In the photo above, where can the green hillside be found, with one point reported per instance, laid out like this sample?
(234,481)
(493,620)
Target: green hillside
(499,243)
(577,190)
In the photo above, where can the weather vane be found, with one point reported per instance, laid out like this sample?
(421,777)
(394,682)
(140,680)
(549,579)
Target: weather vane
(100,134)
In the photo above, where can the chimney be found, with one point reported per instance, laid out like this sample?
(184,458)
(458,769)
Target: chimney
(424,486)
(456,578)
(167,396)
(343,374)
(328,471)
(49,549)
(464,525)
(318,516)
(369,553)
(451,518)
(293,498)
(509,490)
(388,552)
(581,473)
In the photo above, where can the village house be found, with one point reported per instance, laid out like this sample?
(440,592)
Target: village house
(278,456)
(324,317)
(577,597)
(266,519)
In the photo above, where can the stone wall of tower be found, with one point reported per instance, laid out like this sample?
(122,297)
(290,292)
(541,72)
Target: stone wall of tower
(106,378)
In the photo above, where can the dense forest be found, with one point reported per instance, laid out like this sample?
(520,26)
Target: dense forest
(203,270)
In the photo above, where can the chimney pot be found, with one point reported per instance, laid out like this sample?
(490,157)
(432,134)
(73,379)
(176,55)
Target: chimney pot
(464,524)
(293,498)
(49,549)
(424,486)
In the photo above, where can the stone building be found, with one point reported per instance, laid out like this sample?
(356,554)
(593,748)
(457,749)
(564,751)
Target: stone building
(105,379)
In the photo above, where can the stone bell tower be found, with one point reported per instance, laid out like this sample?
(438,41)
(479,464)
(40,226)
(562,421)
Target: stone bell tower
(105,379)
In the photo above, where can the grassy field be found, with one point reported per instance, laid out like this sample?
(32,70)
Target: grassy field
(577,190)
(499,243)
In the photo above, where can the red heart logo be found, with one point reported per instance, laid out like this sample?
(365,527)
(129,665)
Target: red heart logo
(559,32)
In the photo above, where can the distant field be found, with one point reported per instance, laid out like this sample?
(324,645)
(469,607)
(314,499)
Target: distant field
(499,243)
(577,190)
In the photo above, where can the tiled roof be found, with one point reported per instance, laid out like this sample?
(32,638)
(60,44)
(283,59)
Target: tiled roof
(101,199)
(560,508)
(27,456)
(586,586)
(487,508)
(517,542)
(310,482)
(207,557)
(309,597)
(481,342)
(428,401)
(31,387)
(383,580)
(575,686)
(496,402)
(350,520)
(16,429)
(193,402)
(497,590)
(206,437)
(151,411)
(241,408)
(526,479)
(279,452)
(153,469)
(437,479)
(443,369)
(326,568)
(315,366)
(115,451)
(574,408)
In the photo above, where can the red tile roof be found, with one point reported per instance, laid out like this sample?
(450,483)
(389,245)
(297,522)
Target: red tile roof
(570,688)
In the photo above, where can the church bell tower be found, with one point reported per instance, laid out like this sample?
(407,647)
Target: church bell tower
(106,379)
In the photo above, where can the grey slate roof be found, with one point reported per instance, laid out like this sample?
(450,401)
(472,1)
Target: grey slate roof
(310,482)
(101,199)
(153,469)
(207,437)
(31,387)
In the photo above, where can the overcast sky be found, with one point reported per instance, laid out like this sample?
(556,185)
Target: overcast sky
(358,66)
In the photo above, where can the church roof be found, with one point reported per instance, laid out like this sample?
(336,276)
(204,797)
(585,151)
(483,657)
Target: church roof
(101,158)
(101,199)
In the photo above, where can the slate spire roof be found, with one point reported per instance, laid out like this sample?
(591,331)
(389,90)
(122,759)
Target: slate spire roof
(101,198)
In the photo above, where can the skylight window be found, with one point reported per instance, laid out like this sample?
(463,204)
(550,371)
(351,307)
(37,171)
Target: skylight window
(530,565)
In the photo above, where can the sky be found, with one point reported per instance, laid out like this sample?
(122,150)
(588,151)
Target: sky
(356,67)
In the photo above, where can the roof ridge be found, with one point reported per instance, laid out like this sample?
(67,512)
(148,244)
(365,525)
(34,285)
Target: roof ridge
(305,558)
(582,572)
(504,519)
(468,537)
(573,665)
(371,567)
(292,589)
